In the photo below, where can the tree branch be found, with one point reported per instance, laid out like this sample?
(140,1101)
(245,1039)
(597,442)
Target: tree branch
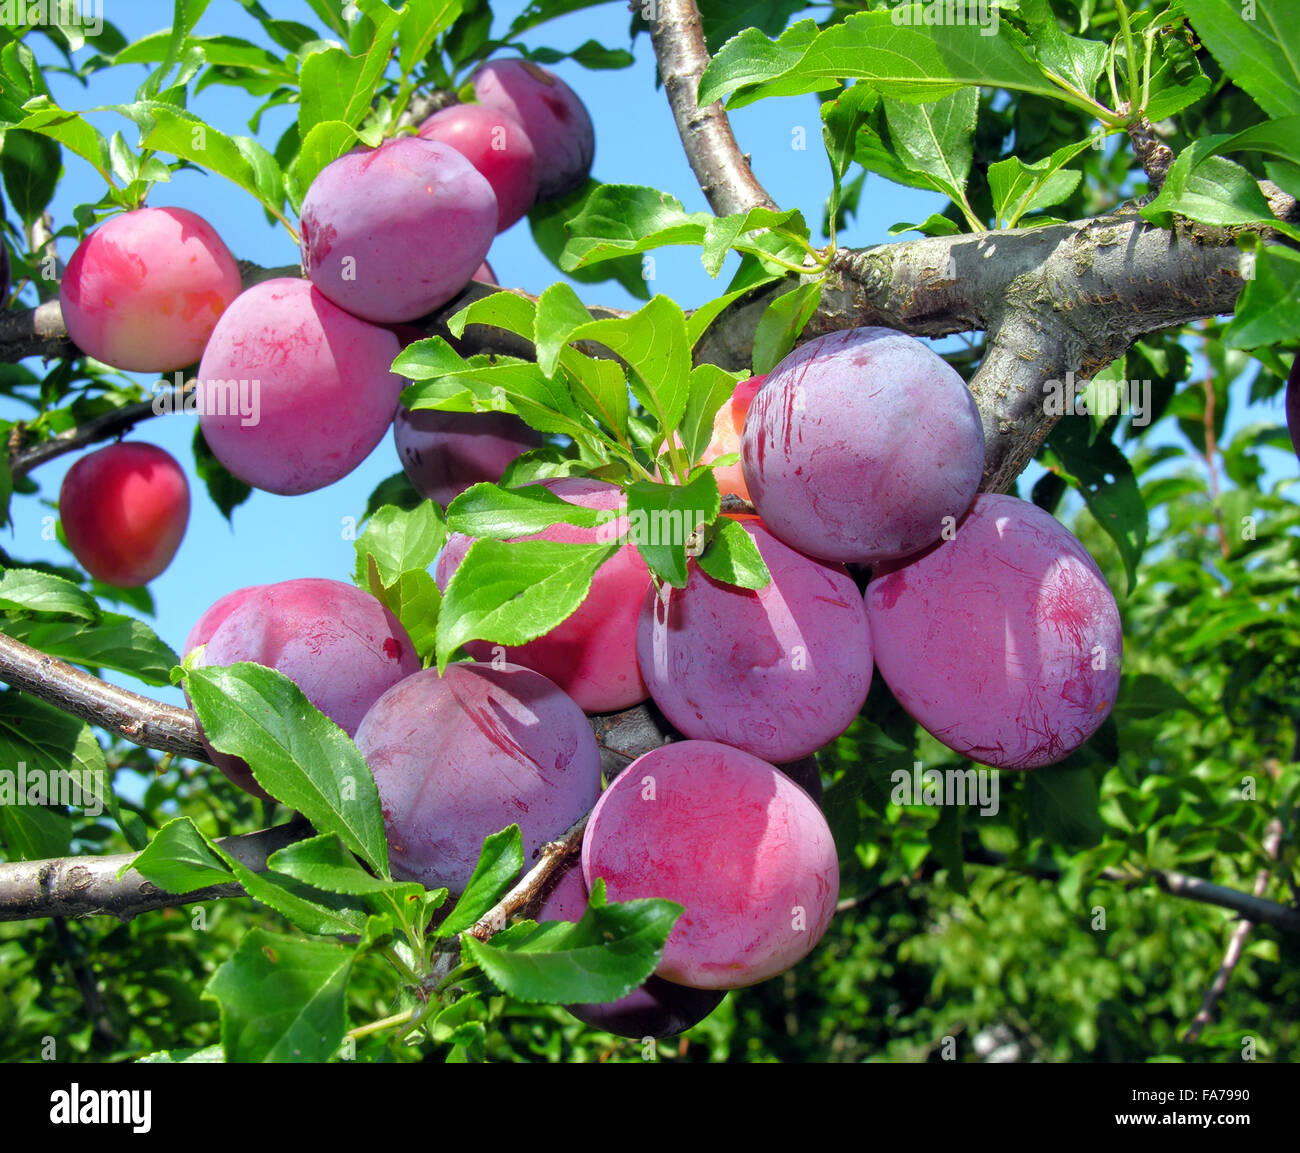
(721,169)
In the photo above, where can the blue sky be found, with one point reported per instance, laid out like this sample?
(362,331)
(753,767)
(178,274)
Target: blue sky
(277,538)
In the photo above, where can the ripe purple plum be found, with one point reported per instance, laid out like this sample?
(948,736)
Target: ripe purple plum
(393,232)
(733,840)
(144,290)
(444,453)
(591,655)
(1293,404)
(656,1008)
(778,671)
(340,645)
(293,391)
(486,275)
(461,756)
(553,117)
(1003,642)
(860,444)
(496,144)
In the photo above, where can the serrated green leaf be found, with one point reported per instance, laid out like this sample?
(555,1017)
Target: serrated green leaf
(1260,54)
(400,540)
(732,556)
(112,642)
(178,860)
(492,512)
(782,322)
(498,865)
(29,591)
(663,517)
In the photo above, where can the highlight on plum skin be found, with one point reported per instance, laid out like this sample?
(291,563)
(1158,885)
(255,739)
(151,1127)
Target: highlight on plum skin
(293,391)
(553,117)
(338,644)
(461,756)
(124,511)
(496,144)
(392,233)
(778,671)
(1003,642)
(736,842)
(444,453)
(592,654)
(145,289)
(655,1008)
(862,446)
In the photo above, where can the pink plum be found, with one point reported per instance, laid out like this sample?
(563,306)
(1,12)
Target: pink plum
(393,232)
(592,654)
(144,290)
(742,848)
(1003,642)
(496,144)
(862,446)
(554,118)
(461,756)
(778,671)
(293,391)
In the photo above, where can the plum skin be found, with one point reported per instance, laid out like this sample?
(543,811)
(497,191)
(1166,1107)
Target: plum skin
(339,645)
(391,233)
(324,395)
(144,290)
(496,144)
(736,842)
(778,671)
(443,453)
(860,444)
(591,654)
(655,1008)
(459,757)
(124,511)
(553,118)
(989,639)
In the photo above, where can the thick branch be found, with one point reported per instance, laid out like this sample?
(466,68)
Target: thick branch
(721,169)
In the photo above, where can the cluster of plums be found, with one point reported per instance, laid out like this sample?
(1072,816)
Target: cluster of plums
(988,620)
(388,235)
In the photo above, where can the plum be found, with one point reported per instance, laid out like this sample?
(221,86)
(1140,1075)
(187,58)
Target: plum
(460,756)
(144,290)
(860,445)
(733,840)
(444,453)
(655,1008)
(591,655)
(778,671)
(1293,405)
(496,144)
(393,232)
(728,425)
(293,391)
(1003,642)
(124,511)
(486,275)
(553,117)
(340,645)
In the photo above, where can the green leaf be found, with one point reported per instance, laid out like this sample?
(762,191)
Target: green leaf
(1073,58)
(324,143)
(209,1054)
(336,86)
(324,863)
(558,313)
(498,865)
(935,138)
(1208,188)
(400,540)
(906,61)
(710,388)
(295,753)
(932,225)
(113,642)
(512,593)
(178,860)
(78,135)
(600,958)
(621,219)
(31,164)
(423,21)
(782,322)
(282,999)
(549,222)
(414,600)
(732,556)
(1061,804)
(1261,55)
(487,510)
(227,491)
(1143,695)
(737,231)
(1019,188)
(29,591)
(662,518)
(1268,310)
